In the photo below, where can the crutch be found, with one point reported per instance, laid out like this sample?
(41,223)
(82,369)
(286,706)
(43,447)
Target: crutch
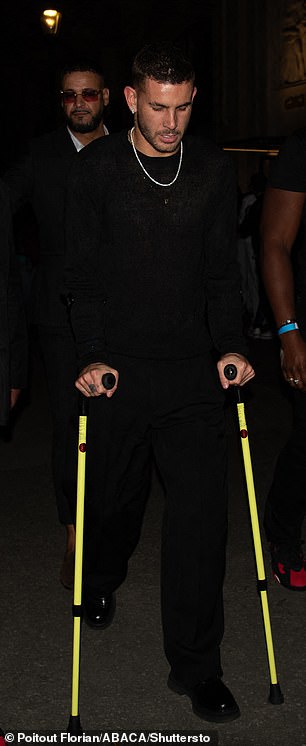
(275,695)
(74,726)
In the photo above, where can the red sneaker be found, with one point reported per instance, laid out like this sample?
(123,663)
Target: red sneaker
(289,566)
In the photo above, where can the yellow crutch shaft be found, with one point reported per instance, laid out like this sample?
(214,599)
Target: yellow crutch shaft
(74,726)
(276,696)
(257,539)
(74,722)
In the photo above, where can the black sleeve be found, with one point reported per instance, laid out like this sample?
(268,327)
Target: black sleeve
(288,171)
(13,329)
(19,179)
(223,279)
(17,327)
(83,234)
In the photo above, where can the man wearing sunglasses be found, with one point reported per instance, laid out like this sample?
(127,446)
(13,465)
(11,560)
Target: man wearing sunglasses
(39,178)
(83,106)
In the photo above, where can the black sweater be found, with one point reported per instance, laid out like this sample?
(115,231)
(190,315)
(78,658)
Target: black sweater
(152,269)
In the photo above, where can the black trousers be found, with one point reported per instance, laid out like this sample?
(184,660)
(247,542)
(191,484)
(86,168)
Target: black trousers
(175,410)
(286,503)
(59,356)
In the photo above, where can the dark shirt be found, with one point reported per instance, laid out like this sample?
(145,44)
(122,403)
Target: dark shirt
(288,172)
(153,269)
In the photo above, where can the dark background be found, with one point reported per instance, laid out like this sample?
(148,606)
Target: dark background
(111,32)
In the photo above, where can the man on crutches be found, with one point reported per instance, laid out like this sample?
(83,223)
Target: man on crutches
(151,245)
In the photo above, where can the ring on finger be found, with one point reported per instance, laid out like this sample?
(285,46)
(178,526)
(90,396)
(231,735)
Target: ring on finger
(296,380)
(92,388)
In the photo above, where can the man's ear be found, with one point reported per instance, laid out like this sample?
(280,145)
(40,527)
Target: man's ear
(131,98)
(105,96)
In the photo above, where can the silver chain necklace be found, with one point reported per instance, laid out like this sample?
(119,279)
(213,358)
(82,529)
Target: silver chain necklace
(146,172)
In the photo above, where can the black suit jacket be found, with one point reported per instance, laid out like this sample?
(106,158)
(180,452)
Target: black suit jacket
(13,339)
(39,178)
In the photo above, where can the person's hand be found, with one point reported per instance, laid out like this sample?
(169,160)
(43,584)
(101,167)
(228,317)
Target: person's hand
(14,396)
(89,381)
(244,370)
(293,360)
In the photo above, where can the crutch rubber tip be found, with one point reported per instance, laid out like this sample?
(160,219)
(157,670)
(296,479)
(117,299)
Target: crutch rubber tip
(74,726)
(276,696)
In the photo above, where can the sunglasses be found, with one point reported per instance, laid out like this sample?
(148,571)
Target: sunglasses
(88,94)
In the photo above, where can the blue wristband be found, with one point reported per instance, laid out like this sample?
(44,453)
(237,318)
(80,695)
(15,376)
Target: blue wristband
(287,328)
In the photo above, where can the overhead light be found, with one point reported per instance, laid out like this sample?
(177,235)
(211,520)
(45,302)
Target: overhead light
(50,20)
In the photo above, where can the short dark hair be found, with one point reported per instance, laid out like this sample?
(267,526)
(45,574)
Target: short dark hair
(81,66)
(162,62)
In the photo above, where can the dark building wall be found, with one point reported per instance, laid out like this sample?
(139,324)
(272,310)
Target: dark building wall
(259,73)
(240,66)
(286,87)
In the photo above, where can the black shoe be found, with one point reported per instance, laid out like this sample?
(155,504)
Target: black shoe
(289,566)
(211,699)
(99,610)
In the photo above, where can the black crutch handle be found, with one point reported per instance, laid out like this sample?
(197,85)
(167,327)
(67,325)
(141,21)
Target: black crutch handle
(108,380)
(230,372)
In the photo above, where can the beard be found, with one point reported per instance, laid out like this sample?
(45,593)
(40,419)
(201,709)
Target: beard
(82,127)
(152,138)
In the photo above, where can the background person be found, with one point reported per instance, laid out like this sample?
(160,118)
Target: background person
(283,250)
(40,179)
(254,297)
